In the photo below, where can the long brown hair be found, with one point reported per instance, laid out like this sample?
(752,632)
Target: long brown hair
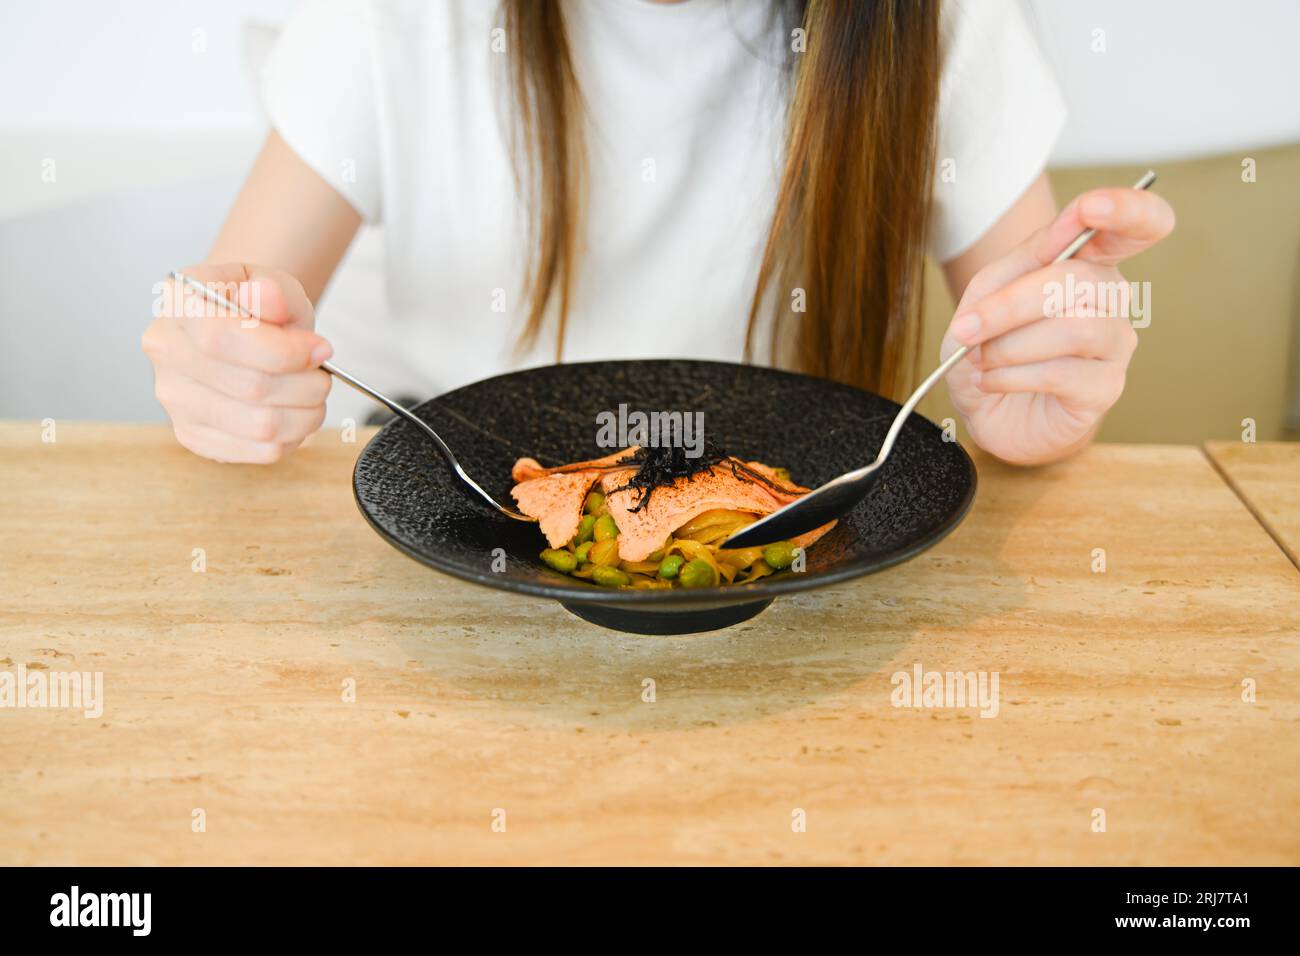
(848,230)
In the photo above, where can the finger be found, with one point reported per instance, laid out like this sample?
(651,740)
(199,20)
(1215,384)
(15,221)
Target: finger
(191,401)
(1095,338)
(1085,383)
(1026,300)
(265,347)
(263,294)
(254,387)
(217,445)
(1128,221)
(307,389)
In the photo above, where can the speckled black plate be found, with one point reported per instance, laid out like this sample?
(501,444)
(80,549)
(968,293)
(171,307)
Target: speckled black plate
(815,428)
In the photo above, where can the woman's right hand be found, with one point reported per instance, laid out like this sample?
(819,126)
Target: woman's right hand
(239,390)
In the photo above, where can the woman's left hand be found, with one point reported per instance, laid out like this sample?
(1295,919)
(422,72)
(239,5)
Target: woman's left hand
(1043,369)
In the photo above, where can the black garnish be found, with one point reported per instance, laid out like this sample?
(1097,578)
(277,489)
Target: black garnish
(661,466)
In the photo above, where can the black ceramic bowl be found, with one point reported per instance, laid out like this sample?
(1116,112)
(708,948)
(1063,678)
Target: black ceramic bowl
(815,428)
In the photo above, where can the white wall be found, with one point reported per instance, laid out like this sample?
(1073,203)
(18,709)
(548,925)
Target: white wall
(133,65)
(1178,78)
(125,94)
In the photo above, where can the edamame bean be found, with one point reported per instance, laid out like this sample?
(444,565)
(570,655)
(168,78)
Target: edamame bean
(609,577)
(560,559)
(779,555)
(584,549)
(585,527)
(670,565)
(698,574)
(604,529)
(595,501)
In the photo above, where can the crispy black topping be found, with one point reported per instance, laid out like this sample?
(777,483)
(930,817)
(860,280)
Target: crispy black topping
(660,466)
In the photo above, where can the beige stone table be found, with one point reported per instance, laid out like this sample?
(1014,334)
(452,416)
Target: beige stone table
(1149,713)
(1266,476)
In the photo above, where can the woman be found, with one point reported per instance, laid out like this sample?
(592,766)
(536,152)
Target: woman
(626,178)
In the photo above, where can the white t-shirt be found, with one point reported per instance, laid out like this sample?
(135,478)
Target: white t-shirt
(399,105)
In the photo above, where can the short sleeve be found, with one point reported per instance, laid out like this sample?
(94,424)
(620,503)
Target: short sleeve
(319,89)
(1000,112)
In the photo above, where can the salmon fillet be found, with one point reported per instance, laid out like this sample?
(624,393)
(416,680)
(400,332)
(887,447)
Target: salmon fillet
(556,502)
(642,532)
(529,468)
(554,496)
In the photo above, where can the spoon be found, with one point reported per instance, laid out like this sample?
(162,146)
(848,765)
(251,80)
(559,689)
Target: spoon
(837,496)
(468,483)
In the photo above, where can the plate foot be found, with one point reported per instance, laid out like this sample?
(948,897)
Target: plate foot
(634,620)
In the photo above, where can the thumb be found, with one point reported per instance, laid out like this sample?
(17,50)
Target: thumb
(265,294)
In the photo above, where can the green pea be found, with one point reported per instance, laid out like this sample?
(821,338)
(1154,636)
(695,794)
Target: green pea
(595,501)
(604,552)
(670,565)
(560,559)
(698,574)
(583,550)
(779,555)
(585,527)
(608,577)
(605,528)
